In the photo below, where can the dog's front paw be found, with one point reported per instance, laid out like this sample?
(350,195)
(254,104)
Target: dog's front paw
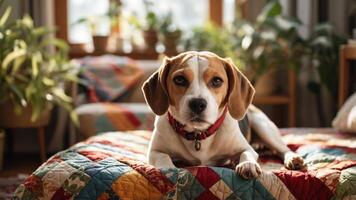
(293,161)
(248,169)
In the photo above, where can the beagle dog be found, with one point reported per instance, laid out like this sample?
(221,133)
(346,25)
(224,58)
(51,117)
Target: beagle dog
(204,111)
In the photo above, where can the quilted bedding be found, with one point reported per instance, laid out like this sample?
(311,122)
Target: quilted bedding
(112,166)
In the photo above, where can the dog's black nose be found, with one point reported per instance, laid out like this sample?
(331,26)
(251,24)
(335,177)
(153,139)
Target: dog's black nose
(197,105)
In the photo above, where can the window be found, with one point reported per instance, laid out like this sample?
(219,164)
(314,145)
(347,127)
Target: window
(86,9)
(186,14)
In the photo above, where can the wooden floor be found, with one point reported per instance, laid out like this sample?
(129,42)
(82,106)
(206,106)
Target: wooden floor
(19,164)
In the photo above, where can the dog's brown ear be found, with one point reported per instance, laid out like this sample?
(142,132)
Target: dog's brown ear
(155,90)
(240,92)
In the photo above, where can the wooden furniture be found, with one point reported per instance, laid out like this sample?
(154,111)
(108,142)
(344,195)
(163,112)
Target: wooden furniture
(9,121)
(347,53)
(288,99)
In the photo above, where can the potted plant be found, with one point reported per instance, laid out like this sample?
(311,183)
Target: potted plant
(32,73)
(269,45)
(115,40)
(211,38)
(150,26)
(170,34)
(100,42)
(323,51)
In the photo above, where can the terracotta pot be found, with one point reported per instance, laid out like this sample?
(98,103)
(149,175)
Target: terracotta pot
(8,118)
(170,41)
(267,83)
(151,39)
(100,43)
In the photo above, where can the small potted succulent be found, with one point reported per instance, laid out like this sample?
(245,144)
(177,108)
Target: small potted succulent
(170,34)
(33,69)
(100,42)
(149,27)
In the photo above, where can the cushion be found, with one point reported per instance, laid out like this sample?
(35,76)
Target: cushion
(345,119)
(102,117)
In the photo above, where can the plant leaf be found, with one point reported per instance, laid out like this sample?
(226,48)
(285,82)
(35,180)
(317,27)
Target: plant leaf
(5,16)
(18,63)
(58,92)
(272,9)
(11,56)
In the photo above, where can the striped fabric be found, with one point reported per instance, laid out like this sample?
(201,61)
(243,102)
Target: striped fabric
(102,117)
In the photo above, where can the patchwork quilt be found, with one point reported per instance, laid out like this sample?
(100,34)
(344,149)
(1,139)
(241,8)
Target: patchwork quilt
(108,77)
(113,166)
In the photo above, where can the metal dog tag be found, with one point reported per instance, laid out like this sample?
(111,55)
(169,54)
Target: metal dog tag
(197,142)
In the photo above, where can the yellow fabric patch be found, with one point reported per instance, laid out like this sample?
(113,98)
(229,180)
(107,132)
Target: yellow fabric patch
(133,185)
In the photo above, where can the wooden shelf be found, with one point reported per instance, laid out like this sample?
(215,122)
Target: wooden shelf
(272,100)
(144,55)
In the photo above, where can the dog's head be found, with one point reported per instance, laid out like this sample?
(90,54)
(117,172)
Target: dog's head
(196,86)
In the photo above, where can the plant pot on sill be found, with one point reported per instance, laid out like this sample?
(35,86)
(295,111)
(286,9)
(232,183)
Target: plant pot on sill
(170,41)
(151,39)
(100,43)
(8,118)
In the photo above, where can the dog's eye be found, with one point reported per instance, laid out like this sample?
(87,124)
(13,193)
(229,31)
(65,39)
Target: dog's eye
(180,81)
(216,82)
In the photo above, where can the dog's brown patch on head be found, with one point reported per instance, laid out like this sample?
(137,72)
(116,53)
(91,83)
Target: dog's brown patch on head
(179,67)
(176,92)
(216,70)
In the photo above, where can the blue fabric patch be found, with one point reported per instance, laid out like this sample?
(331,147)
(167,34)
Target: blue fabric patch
(242,188)
(102,174)
(103,124)
(188,187)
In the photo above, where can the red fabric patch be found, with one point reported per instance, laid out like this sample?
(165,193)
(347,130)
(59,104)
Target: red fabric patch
(154,175)
(207,195)
(294,147)
(303,185)
(133,119)
(54,159)
(61,194)
(94,155)
(205,175)
(270,158)
(35,185)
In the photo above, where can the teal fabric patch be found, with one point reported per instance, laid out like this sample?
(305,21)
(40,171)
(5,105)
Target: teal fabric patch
(242,188)
(188,187)
(313,154)
(103,174)
(103,124)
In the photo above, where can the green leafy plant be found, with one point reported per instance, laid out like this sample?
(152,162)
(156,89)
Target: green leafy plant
(92,21)
(32,71)
(114,11)
(323,50)
(151,20)
(271,42)
(167,26)
(212,38)
(170,33)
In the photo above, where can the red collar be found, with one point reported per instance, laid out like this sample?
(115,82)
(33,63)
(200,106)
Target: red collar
(196,136)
